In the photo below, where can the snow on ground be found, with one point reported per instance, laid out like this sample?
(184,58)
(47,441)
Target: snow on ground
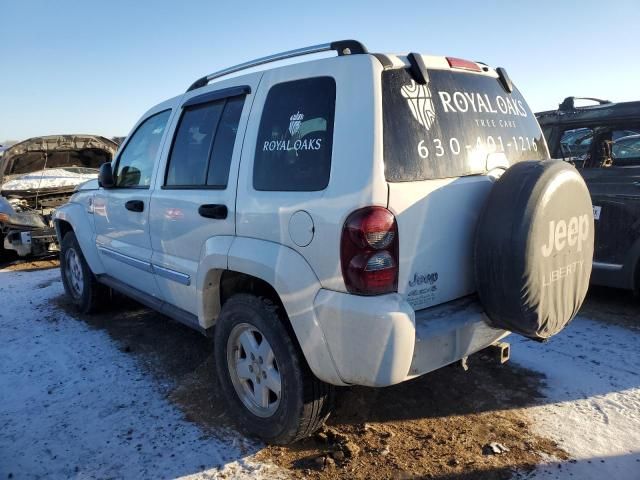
(593,393)
(72,405)
(49,178)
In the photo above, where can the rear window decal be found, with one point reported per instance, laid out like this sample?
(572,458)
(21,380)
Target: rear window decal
(453,125)
(420,101)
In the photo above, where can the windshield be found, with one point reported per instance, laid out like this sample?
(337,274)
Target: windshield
(457,124)
(79,161)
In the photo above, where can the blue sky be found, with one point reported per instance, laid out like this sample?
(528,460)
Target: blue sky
(95,67)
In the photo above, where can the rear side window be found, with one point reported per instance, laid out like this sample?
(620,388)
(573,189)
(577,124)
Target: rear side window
(295,139)
(203,144)
(222,150)
(457,124)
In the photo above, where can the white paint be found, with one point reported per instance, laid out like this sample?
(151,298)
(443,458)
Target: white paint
(437,220)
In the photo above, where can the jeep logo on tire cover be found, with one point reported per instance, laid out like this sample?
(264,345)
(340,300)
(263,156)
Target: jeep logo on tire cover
(563,233)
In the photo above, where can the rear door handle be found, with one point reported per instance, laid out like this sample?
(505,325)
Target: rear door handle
(135,205)
(214,210)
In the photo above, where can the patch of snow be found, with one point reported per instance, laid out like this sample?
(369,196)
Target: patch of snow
(72,404)
(48,178)
(593,393)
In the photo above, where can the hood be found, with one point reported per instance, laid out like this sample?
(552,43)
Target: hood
(48,178)
(71,153)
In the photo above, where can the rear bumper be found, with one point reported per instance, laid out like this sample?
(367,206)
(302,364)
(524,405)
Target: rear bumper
(450,332)
(380,341)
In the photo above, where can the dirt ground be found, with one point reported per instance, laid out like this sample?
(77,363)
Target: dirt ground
(11,264)
(437,426)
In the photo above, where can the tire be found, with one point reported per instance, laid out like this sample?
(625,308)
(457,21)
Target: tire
(304,402)
(534,248)
(79,282)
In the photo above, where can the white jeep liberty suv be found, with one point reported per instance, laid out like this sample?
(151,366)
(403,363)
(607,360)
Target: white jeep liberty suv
(361,219)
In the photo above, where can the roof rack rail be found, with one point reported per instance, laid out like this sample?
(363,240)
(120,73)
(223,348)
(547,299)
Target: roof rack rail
(569,102)
(343,47)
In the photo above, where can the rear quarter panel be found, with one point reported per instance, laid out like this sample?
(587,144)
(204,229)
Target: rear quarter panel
(355,179)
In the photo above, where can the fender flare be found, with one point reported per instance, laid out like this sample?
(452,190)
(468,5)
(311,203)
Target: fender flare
(76,216)
(213,262)
(290,276)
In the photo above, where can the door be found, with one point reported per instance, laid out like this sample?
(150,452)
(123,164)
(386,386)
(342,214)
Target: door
(122,212)
(196,190)
(613,178)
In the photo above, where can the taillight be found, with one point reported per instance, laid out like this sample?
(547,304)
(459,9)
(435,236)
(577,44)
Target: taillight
(369,252)
(463,64)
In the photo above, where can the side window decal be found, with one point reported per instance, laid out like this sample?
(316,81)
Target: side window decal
(295,138)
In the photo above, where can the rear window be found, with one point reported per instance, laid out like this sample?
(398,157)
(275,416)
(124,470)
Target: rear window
(453,125)
(293,152)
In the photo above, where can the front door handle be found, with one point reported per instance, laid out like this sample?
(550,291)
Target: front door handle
(135,205)
(217,211)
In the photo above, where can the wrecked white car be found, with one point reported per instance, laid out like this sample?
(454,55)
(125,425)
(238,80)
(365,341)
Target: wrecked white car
(37,176)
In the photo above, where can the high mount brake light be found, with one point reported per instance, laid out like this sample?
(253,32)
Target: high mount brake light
(463,64)
(369,252)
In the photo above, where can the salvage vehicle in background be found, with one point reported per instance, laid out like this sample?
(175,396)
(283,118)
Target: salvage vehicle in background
(603,141)
(353,220)
(36,177)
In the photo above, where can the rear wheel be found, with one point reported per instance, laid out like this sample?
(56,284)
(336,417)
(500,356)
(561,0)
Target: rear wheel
(79,282)
(269,388)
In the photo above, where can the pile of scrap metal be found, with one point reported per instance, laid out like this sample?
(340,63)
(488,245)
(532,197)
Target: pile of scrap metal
(37,176)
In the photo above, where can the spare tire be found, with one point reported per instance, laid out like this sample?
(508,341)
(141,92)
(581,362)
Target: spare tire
(534,248)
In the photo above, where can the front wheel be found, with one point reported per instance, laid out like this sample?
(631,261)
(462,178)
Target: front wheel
(79,282)
(268,386)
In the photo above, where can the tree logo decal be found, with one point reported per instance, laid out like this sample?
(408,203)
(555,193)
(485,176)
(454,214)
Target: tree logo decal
(295,121)
(420,102)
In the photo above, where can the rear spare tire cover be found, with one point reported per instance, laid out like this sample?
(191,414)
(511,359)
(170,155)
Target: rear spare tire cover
(534,248)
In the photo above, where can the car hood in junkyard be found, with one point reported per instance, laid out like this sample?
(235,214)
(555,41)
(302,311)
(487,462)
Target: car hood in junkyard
(48,178)
(54,162)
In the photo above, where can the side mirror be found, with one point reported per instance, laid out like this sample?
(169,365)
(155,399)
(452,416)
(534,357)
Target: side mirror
(105,177)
